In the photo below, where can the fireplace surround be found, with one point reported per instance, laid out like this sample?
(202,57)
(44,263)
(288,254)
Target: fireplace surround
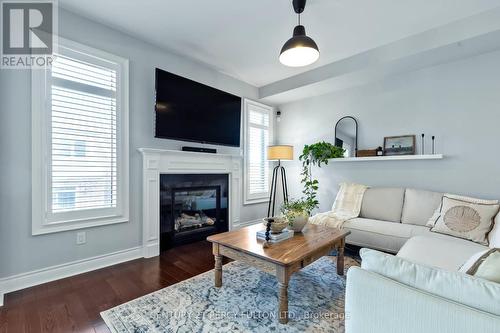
(159,162)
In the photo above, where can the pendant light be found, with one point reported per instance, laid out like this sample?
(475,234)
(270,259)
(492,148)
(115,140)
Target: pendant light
(299,50)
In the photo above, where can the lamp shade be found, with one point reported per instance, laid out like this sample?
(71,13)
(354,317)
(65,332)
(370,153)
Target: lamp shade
(300,50)
(280,152)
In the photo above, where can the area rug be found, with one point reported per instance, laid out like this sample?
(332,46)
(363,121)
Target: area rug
(246,302)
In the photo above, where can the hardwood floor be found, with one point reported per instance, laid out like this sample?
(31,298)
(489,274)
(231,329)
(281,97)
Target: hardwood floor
(73,304)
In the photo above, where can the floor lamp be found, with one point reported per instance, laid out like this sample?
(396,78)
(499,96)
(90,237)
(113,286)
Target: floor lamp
(278,153)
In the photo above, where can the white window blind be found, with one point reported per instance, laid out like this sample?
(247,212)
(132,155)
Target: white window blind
(80,141)
(258,133)
(83,136)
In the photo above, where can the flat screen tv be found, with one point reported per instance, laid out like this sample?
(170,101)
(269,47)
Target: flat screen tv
(190,111)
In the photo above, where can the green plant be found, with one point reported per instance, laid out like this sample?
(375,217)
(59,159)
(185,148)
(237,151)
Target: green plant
(315,155)
(294,208)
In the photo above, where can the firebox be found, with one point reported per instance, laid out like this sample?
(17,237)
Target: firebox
(192,207)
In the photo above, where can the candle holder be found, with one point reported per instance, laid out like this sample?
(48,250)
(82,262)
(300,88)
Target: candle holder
(422,151)
(268,232)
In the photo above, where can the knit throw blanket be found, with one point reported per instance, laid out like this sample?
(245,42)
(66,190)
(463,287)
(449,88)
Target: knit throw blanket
(347,206)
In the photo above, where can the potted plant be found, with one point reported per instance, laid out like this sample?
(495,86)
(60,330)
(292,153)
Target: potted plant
(315,155)
(297,213)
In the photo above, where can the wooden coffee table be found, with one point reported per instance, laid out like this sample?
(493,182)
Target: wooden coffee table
(280,259)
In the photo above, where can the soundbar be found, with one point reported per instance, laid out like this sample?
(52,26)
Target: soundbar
(200,150)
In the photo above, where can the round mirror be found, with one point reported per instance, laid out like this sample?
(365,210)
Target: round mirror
(346,135)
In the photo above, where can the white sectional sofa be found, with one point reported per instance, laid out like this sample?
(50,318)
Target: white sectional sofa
(420,289)
(391,216)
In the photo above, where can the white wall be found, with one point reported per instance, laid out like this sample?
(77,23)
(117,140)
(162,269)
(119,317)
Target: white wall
(457,102)
(21,252)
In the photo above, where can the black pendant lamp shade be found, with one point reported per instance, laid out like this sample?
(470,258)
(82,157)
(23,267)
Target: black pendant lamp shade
(299,50)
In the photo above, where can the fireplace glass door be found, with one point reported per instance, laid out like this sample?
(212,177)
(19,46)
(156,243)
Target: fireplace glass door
(192,207)
(195,207)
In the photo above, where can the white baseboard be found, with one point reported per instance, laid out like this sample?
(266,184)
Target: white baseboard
(33,278)
(151,250)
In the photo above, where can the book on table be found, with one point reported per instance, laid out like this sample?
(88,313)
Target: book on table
(275,237)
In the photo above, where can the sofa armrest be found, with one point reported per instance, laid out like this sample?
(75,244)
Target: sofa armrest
(375,303)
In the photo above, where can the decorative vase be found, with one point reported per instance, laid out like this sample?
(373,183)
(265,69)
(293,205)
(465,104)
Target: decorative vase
(298,221)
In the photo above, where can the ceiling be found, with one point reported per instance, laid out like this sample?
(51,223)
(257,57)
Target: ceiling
(242,38)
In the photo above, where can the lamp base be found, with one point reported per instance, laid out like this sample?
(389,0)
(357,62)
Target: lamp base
(272,195)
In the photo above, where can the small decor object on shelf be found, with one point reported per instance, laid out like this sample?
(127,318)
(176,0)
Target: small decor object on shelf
(422,152)
(399,145)
(433,141)
(367,152)
(296,213)
(380,151)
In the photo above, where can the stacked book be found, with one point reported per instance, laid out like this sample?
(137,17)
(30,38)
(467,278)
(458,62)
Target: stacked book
(275,237)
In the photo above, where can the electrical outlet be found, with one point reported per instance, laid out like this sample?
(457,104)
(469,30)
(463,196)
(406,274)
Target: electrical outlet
(81,238)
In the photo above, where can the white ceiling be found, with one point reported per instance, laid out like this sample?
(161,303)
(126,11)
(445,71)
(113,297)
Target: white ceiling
(242,38)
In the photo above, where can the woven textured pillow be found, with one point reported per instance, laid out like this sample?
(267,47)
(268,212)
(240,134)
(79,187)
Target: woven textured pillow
(462,218)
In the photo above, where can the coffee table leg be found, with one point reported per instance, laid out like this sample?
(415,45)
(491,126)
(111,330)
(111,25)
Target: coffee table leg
(340,257)
(218,271)
(218,265)
(283,277)
(283,303)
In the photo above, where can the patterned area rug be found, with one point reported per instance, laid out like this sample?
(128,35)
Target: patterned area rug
(246,302)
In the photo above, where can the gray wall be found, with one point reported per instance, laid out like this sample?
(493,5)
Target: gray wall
(21,252)
(457,102)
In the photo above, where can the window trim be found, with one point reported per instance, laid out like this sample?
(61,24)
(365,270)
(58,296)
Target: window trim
(264,197)
(40,134)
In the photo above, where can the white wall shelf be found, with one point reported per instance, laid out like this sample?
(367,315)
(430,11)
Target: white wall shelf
(388,158)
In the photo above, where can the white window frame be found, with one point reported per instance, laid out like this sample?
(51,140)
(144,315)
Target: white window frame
(42,221)
(248,198)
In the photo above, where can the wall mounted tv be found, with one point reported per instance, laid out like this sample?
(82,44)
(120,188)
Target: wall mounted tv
(190,111)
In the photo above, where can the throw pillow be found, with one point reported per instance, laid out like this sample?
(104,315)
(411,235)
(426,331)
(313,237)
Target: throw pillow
(466,218)
(433,219)
(437,213)
(484,265)
(494,235)
(472,260)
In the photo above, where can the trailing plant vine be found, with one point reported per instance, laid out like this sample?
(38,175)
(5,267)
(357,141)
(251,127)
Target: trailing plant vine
(315,155)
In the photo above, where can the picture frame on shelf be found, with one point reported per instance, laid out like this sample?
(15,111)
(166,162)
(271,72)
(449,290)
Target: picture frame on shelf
(400,145)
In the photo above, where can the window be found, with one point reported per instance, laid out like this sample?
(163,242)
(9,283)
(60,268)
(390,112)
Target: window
(80,140)
(258,134)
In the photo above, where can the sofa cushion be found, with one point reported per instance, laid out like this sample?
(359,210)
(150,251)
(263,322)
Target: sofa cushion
(382,235)
(471,220)
(419,205)
(465,289)
(442,251)
(383,203)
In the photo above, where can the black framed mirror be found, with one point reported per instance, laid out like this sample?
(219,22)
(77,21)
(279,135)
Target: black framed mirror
(346,135)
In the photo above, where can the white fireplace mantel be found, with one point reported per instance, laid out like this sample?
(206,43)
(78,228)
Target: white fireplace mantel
(157,161)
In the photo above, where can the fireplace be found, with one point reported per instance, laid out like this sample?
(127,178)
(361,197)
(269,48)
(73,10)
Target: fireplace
(192,207)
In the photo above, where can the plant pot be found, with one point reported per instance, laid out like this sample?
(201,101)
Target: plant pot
(298,221)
